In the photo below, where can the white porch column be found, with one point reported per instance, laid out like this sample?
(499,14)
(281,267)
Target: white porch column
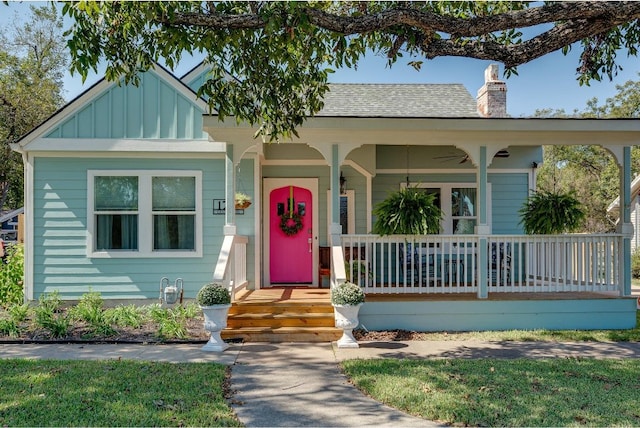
(230,187)
(625,226)
(483,229)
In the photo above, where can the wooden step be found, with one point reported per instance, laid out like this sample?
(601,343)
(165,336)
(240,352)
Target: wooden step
(282,334)
(279,308)
(282,316)
(283,319)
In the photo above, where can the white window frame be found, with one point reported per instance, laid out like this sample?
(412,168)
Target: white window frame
(445,201)
(145,215)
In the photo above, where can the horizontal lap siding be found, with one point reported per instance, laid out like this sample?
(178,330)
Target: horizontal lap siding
(508,193)
(60,219)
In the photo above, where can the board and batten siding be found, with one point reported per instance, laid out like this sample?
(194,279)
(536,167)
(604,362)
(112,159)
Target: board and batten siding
(154,109)
(60,231)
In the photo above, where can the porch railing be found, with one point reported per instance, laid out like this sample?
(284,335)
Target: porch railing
(231,268)
(514,263)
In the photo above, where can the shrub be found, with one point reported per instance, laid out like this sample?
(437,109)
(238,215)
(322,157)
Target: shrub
(49,317)
(347,293)
(409,211)
(90,310)
(12,276)
(125,316)
(635,263)
(213,294)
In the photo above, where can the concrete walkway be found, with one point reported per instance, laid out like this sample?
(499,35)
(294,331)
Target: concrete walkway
(300,384)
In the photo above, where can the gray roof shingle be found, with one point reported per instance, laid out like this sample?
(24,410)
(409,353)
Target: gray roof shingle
(398,100)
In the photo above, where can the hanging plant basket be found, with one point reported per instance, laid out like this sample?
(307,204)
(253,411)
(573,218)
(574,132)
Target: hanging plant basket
(242,205)
(242,201)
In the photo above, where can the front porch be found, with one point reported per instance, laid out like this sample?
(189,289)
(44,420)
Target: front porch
(304,314)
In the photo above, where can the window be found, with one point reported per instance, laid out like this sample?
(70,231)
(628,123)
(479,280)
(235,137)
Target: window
(144,213)
(458,203)
(347,213)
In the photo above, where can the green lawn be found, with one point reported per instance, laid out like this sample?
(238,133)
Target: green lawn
(489,392)
(113,393)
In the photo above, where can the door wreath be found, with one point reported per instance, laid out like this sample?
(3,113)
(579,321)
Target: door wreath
(291,223)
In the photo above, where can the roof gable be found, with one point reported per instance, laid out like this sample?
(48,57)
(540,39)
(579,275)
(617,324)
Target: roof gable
(161,107)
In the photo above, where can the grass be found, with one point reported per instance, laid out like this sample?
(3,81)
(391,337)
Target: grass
(113,393)
(489,392)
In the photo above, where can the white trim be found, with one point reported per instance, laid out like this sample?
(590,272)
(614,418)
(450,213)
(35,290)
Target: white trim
(294,162)
(270,184)
(257,219)
(132,155)
(445,201)
(470,170)
(145,229)
(126,145)
(28,227)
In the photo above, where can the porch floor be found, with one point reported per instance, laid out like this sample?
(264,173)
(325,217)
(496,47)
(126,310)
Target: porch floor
(308,295)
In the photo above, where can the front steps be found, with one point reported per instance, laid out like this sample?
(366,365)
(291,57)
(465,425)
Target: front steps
(285,321)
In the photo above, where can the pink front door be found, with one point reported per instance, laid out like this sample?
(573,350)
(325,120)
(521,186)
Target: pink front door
(290,235)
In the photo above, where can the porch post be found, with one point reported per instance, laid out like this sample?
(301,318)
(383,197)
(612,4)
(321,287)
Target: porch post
(482,229)
(230,192)
(625,226)
(338,272)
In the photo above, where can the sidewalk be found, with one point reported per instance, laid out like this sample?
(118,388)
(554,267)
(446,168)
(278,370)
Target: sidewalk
(300,384)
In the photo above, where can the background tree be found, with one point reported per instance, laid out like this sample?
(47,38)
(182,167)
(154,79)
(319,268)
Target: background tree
(280,53)
(32,62)
(590,172)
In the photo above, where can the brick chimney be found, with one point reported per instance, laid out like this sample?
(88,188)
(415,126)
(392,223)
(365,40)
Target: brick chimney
(492,97)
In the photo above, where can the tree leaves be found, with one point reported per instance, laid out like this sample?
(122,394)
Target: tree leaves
(281,52)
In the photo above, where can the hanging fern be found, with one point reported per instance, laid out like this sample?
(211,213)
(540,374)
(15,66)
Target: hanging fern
(409,211)
(547,213)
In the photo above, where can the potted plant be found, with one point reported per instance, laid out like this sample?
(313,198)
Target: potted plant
(409,211)
(214,300)
(242,201)
(550,213)
(346,299)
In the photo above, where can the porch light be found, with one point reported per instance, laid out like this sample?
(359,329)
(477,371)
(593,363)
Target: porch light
(343,184)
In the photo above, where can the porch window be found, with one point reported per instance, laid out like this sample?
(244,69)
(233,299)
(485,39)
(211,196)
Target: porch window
(144,213)
(458,202)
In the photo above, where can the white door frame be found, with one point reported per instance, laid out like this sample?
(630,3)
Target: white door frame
(270,184)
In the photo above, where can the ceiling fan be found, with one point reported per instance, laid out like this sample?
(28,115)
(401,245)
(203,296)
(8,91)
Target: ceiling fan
(465,157)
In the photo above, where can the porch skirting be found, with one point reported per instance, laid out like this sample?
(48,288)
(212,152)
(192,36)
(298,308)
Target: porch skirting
(481,315)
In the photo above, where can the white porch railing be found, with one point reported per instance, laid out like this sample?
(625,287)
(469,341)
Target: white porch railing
(231,268)
(514,263)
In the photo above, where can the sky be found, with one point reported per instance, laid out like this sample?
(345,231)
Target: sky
(549,82)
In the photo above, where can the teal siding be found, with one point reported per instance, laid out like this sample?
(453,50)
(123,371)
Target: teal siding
(508,193)
(152,110)
(60,219)
(481,315)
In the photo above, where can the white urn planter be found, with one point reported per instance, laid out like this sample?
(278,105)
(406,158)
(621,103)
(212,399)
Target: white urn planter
(215,320)
(346,318)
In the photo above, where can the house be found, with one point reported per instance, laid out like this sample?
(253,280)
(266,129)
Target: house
(9,224)
(613,210)
(128,185)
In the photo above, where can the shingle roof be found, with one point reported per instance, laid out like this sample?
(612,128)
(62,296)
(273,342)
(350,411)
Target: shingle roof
(398,100)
